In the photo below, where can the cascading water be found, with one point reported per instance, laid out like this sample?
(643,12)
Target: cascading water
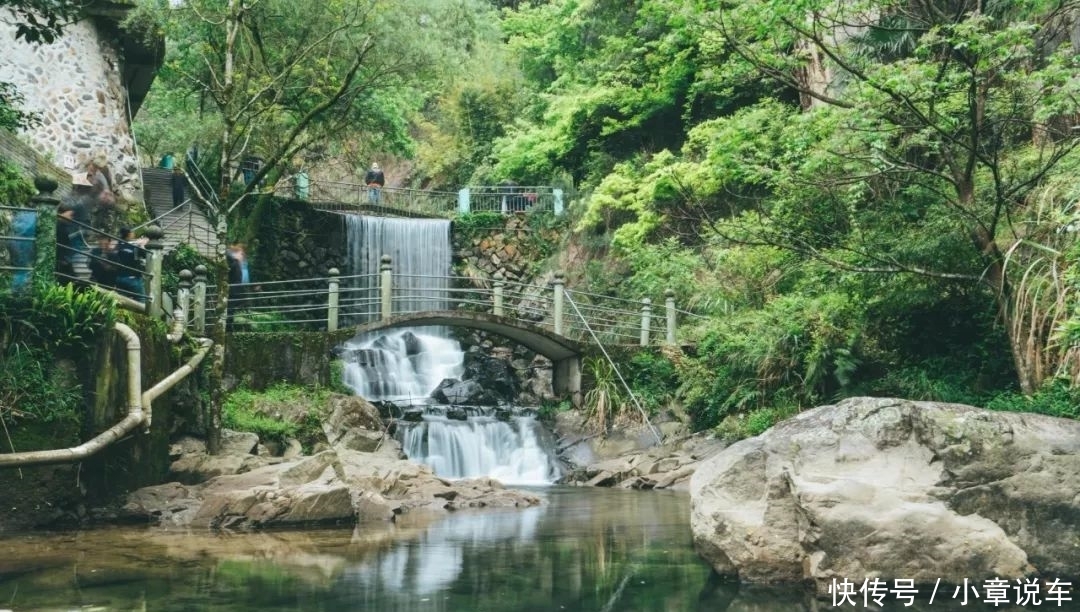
(403,367)
(511,452)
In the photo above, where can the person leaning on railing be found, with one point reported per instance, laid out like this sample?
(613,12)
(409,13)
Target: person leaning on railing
(65,247)
(127,256)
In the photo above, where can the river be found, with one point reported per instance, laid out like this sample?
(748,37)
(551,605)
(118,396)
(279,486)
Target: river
(585,549)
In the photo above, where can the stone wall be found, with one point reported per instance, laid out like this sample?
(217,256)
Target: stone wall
(518,246)
(288,239)
(260,359)
(76,85)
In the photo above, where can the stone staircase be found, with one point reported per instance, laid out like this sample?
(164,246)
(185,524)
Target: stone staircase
(186,225)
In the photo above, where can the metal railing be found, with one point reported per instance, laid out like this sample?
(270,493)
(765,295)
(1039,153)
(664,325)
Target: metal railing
(353,197)
(514,199)
(90,257)
(339,196)
(18,244)
(336,301)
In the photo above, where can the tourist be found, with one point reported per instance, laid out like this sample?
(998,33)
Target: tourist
(375,180)
(102,270)
(97,173)
(239,278)
(65,251)
(179,187)
(77,208)
(167,161)
(127,258)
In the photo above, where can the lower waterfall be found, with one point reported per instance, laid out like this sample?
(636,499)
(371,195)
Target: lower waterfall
(510,452)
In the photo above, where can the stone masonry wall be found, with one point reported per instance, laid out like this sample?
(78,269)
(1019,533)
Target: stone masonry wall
(75,83)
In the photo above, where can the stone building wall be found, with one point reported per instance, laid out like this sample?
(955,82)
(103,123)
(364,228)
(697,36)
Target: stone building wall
(76,84)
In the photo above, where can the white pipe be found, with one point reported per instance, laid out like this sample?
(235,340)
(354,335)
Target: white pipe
(179,321)
(170,381)
(138,408)
(134,417)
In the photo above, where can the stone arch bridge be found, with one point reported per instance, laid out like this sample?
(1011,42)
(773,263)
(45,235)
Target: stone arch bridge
(550,319)
(565,353)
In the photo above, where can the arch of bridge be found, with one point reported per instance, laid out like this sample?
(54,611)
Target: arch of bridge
(537,339)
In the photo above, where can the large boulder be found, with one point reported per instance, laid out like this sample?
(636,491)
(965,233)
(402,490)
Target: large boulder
(353,423)
(463,393)
(334,486)
(889,488)
(493,374)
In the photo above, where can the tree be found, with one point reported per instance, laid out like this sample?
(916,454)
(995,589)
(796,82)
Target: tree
(276,78)
(923,117)
(42,20)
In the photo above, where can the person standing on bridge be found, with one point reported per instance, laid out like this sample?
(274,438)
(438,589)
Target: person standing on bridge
(239,279)
(179,186)
(375,180)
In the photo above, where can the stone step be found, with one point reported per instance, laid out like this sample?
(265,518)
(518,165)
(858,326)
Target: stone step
(184,226)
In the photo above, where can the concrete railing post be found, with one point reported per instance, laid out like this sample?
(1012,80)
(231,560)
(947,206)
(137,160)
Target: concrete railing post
(155,253)
(199,299)
(646,316)
(183,295)
(559,286)
(463,201)
(45,229)
(332,301)
(669,303)
(386,289)
(497,295)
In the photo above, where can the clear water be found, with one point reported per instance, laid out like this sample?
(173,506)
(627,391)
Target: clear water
(595,550)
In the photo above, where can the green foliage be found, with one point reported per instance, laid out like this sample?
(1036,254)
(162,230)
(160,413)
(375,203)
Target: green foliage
(37,328)
(65,317)
(653,379)
(477,224)
(549,409)
(33,389)
(15,188)
(42,21)
(259,321)
(798,350)
(252,411)
(337,378)
(56,317)
(603,402)
(753,423)
(183,257)
(1057,398)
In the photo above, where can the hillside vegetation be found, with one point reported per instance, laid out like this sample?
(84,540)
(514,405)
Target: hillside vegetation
(863,197)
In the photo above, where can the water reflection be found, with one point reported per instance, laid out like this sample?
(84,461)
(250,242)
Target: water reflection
(585,549)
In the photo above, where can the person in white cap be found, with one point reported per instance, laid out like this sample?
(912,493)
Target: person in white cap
(374,179)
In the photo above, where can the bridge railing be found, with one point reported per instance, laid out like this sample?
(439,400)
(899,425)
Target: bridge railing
(336,301)
(346,197)
(342,196)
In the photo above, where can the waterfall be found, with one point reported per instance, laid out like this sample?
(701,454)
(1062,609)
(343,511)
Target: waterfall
(420,256)
(404,366)
(510,452)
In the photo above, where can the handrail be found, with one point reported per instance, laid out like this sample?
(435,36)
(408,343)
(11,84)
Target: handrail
(162,215)
(203,187)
